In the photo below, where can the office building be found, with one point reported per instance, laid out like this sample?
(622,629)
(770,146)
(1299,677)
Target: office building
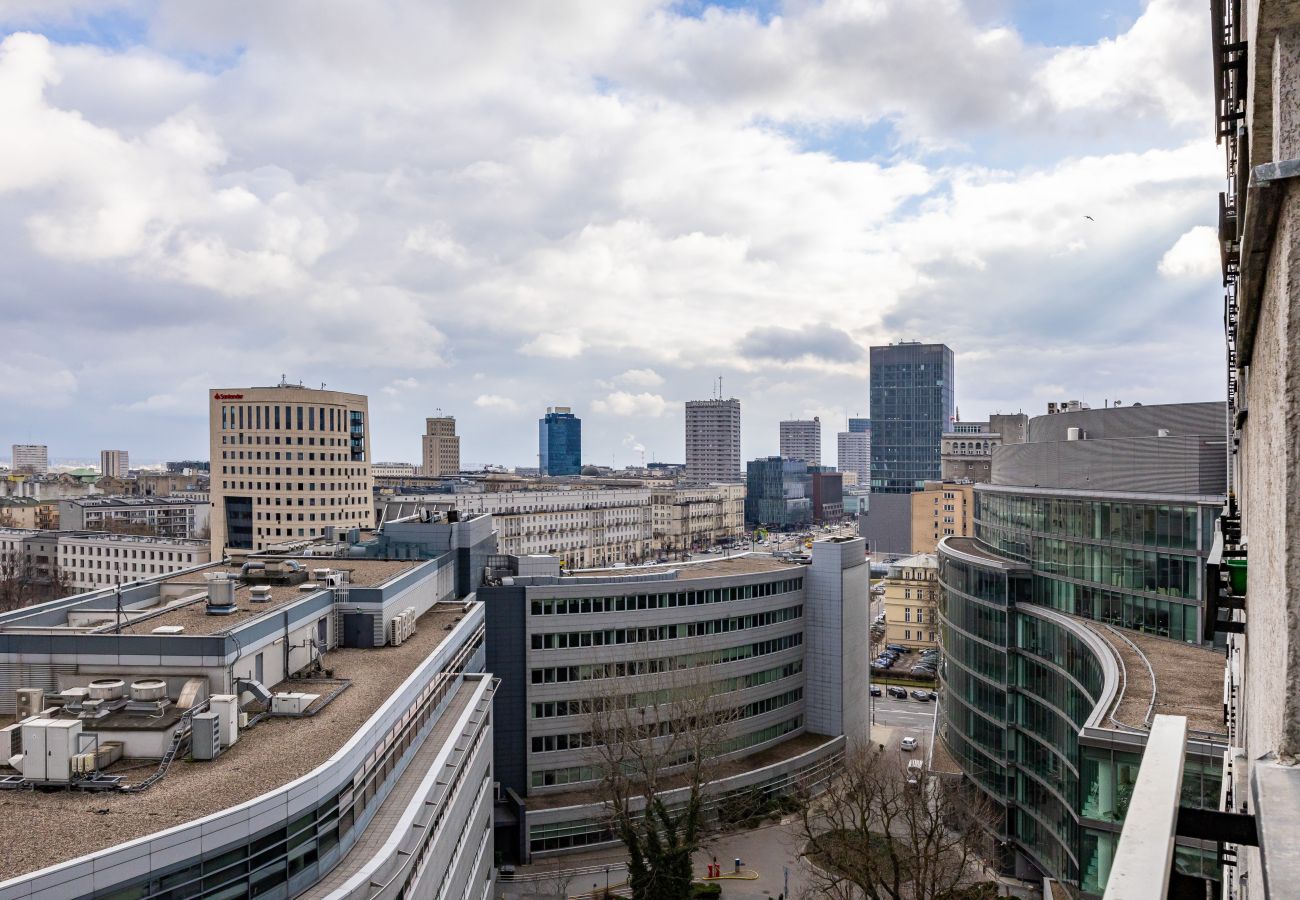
(885,522)
(911,599)
(1255,48)
(939,509)
(713,441)
(114,463)
(310,750)
(440,447)
(911,407)
(288,462)
(559,442)
(782,645)
(827,494)
(393,470)
(859,425)
(778,493)
(176,517)
(802,439)
(30,459)
(967,447)
(854,455)
(1072,617)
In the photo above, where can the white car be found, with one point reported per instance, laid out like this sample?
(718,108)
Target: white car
(910,743)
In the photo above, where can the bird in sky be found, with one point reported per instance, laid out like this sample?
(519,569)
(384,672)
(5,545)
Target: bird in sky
(1090,218)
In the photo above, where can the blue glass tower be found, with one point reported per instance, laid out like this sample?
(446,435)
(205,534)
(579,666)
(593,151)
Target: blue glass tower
(559,442)
(911,407)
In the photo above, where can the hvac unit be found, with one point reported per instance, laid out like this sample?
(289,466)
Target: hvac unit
(226,706)
(402,626)
(205,735)
(260,593)
(48,748)
(291,704)
(30,702)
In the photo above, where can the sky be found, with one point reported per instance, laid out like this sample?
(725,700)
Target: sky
(487,209)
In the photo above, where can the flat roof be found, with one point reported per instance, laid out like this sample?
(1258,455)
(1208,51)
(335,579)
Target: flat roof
(969,546)
(43,829)
(738,564)
(193,616)
(1188,679)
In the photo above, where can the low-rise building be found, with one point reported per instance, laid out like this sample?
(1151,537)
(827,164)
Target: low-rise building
(783,644)
(353,766)
(778,493)
(966,449)
(827,494)
(911,596)
(173,517)
(696,518)
(28,512)
(95,559)
(393,469)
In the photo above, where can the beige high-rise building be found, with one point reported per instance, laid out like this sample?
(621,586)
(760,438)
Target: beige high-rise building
(441,446)
(713,441)
(32,459)
(939,509)
(802,439)
(113,463)
(288,462)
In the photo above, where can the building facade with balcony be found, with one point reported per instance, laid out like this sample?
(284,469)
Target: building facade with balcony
(696,518)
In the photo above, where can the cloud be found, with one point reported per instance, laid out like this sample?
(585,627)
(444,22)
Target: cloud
(640,378)
(553,345)
(1194,255)
(400,385)
(813,342)
(621,403)
(32,379)
(496,403)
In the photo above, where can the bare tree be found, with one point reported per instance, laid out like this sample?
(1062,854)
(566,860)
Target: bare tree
(657,751)
(22,584)
(880,832)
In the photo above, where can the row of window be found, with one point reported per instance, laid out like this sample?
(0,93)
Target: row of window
(1172,526)
(650,699)
(626,668)
(639,602)
(567,640)
(266,416)
(578,774)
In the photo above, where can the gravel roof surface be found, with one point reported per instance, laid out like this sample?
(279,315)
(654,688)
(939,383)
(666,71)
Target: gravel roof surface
(743,564)
(42,829)
(1188,679)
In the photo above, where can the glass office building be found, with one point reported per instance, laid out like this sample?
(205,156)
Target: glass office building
(911,406)
(778,492)
(559,442)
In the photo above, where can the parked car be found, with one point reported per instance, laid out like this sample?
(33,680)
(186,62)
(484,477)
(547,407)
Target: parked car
(875,691)
(898,648)
(934,696)
(909,743)
(897,692)
(922,696)
(914,770)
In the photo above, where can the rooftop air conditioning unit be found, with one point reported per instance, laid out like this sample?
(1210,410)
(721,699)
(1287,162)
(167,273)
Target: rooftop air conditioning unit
(205,736)
(260,593)
(30,702)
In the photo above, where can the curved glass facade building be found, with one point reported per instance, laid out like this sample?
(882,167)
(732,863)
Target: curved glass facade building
(1071,619)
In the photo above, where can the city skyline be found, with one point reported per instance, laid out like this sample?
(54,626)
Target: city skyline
(624,274)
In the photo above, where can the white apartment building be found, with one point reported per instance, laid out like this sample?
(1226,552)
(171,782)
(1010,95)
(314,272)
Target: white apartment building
(95,559)
(713,441)
(686,518)
(114,463)
(853,455)
(287,462)
(393,470)
(174,517)
(802,439)
(441,446)
(584,527)
(30,458)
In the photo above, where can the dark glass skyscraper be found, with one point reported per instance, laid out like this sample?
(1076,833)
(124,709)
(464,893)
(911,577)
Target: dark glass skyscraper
(911,406)
(559,442)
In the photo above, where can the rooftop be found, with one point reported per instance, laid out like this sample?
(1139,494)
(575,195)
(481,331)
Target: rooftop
(47,828)
(106,502)
(738,564)
(968,546)
(1163,676)
(193,616)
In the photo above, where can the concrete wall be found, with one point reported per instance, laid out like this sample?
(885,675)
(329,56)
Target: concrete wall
(1177,464)
(835,641)
(887,523)
(1131,421)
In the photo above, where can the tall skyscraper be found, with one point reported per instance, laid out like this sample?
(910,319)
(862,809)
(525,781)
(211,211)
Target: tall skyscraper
(559,442)
(854,454)
(441,446)
(113,463)
(911,407)
(287,462)
(33,459)
(802,439)
(713,441)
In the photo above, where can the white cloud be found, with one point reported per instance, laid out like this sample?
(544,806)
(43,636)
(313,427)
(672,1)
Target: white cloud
(554,345)
(622,403)
(32,379)
(496,403)
(640,378)
(1194,255)
(400,385)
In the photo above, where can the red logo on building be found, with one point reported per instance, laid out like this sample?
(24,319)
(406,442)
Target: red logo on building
(227,396)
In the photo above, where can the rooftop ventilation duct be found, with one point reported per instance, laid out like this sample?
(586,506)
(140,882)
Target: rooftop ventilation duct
(221,596)
(260,593)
